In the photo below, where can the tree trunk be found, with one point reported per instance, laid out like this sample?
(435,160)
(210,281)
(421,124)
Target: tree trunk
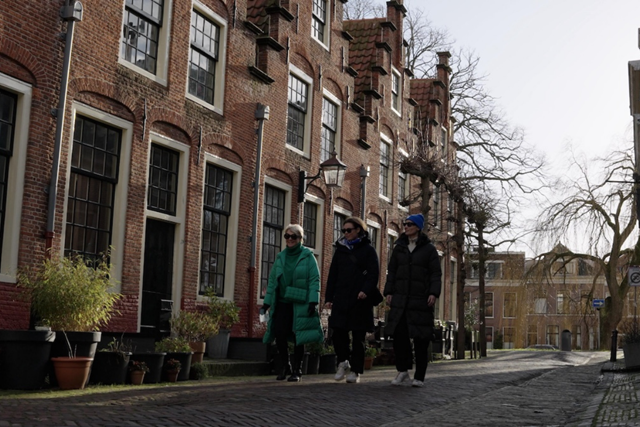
(482,268)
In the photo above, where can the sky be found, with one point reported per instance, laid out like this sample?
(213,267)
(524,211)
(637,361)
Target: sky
(558,68)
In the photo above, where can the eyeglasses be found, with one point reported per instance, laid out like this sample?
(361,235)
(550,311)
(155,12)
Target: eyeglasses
(347,230)
(291,236)
(408,224)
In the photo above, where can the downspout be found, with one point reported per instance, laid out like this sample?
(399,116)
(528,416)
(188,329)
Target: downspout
(262,114)
(364,173)
(71,14)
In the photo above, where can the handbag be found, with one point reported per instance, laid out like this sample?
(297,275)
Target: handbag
(374,298)
(294,294)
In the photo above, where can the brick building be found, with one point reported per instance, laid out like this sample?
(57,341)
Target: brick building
(162,131)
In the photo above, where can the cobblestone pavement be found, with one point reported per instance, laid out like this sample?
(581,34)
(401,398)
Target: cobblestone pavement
(511,388)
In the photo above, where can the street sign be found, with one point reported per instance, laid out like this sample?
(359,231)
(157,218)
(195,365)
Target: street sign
(598,303)
(634,275)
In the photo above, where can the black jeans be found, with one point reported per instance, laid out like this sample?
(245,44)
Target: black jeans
(404,353)
(345,350)
(283,329)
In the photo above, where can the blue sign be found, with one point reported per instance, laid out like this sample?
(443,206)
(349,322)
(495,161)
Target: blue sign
(597,303)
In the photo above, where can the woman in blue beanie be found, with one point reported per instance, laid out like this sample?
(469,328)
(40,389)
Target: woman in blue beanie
(413,285)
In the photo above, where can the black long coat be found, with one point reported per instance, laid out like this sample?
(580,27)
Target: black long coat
(411,278)
(346,280)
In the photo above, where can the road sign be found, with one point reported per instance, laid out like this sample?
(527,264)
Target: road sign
(598,303)
(634,275)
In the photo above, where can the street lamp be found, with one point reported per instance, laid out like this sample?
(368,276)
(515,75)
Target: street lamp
(332,170)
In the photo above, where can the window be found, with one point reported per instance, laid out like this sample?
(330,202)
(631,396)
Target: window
(552,335)
(443,141)
(402,186)
(494,270)
(488,304)
(450,214)
(218,190)
(329,129)
(144,41)
(338,220)
(488,331)
(203,58)
(8,109)
(576,337)
(273,226)
(92,184)
(374,233)
(395,91)
(310,224)
(297,112)
(391,240)
(562,303)
(510,304)
(319,20)
(385,166)
(532,335)
(163,180)
(509,337)
(540,305)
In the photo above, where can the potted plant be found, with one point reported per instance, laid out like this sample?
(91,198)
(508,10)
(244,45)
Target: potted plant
(24,358)
(172,369)
(630,340)
(225,314)
(315,351)
(370,353)
(196,328)
(328,360)
(71,295)
(177,348)
(137,370)
(110,363)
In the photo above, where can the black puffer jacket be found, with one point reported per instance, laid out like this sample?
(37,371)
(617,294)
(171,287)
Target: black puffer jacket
(346,280)
(411,278)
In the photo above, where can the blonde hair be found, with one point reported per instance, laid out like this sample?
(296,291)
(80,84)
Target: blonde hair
(297,228)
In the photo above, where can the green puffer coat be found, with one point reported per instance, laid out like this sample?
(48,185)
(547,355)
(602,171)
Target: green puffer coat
(306,280)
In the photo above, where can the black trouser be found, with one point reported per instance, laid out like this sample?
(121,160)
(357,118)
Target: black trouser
(403,353)
(354,353)
(283,328)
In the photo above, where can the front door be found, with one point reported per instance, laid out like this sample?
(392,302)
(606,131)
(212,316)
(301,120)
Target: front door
(157,278)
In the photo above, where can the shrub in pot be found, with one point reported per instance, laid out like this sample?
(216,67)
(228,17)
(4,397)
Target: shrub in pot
(630,340)
(110,363)
(225,314)
(177,348)
(196,328)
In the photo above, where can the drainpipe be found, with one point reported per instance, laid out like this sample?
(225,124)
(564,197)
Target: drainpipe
(364,173)
(262,114)
(71,14)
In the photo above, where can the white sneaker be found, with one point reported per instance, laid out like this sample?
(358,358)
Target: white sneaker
(343,368)
(400,378)
(417,383)
(353,377)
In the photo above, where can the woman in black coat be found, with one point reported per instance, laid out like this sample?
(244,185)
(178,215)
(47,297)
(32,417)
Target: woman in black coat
(413,284)
(353,276)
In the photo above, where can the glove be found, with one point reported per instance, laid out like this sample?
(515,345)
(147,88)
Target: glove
(264,308)
(312,308)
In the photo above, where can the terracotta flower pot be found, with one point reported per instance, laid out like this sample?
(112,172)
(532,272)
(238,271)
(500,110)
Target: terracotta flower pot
(368,362)
(137,377)
(172,376)
(72,372)
(198,349)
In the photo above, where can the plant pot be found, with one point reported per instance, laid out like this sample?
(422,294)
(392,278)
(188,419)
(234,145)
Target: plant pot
(154,362)
(72,373)
(137,377)
(328,364)
(631,355)
(198,348)
(172,376)
(313,364)
(109,367)
(368,363)
(24,359)
(218,345)
(185,362)
(84,344)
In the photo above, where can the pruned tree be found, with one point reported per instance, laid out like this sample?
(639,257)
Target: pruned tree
(599,207)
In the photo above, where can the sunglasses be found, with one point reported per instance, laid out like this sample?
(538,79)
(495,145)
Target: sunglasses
(408,224)
(291,236)
(347,230)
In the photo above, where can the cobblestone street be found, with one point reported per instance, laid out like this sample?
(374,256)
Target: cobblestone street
(505,389)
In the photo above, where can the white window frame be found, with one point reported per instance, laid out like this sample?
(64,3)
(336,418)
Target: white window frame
(306,141)
(325,41)
(122,189)
(218,94)
(164,38)
(384,139)
(396,96)
(334,100)
(407,186)
(378,227)
(15,190)
(233,225)
(317,251)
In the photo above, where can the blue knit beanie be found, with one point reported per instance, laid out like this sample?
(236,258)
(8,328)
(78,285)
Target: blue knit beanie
(417,219)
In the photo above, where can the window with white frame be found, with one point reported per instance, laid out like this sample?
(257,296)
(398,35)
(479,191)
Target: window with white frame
(395,90)
(494,270)
(443,141)
(162,189)
(15,112)
(391,241)
(272,230)
(319,21)
(205,83)
(509,337)
(297,116)
(312,224)
(330,115)
(374,236)
(145,36)
(563,302)
(385,167)
(338,220)
(540,305)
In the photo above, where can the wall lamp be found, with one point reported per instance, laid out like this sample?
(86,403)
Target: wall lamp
(332,170)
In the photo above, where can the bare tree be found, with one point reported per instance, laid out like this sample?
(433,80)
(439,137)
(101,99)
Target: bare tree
(363,9)
(599,206)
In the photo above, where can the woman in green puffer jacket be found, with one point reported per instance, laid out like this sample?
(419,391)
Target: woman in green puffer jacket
(292,297)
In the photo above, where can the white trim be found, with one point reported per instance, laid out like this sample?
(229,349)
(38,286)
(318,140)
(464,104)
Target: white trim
(15,188)
(400,87)
(384,139)
(218,95)
(306,139)
(342,211)
(327,26)
(317,251)
(335,100)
